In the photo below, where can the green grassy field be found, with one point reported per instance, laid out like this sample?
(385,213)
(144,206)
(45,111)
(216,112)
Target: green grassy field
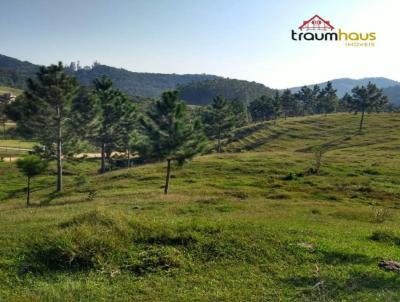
(251,224)
(15,91)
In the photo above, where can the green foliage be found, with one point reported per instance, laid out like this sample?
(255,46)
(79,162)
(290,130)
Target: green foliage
(308,98)
(13,73)
(290,107)
(219,119)
(327,100)
(31,165)
(204,92)
(47,111)
(149,85)
(170,133)
(264,108)
(116,120)
(366,99)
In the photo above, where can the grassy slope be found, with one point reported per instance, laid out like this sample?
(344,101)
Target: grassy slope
(305,239)
(15,91)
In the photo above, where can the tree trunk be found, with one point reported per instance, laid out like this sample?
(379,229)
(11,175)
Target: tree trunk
(59,156)
(168,175)
(103,158)
(129,159)
(28,192)
(361,122)
(219,140)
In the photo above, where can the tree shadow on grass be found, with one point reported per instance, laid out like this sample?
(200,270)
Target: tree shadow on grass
(354,282)
(333,144)
(334,257)
(21,192)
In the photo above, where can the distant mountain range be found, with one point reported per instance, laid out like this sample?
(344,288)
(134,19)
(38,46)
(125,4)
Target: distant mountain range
(197,89)
(345,85)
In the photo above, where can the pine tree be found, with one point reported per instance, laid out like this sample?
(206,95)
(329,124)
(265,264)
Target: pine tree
(262,109)
(46,111)
(306,99)
(366,99)
(219,120)
(239,113)
(289,104)
(276,106)
(111,104)
(171,135)
(30,166)
(327,99)
(127,128)
(315,93)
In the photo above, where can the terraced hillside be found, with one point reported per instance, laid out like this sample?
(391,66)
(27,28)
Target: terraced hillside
(253,224)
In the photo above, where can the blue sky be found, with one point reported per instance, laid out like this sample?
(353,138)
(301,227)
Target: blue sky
(239,39)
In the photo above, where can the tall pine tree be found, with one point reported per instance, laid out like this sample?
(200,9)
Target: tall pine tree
(46,111)
(172,136)
(327,100)
(366,99)
(112,104)
(219,120)
(288,103)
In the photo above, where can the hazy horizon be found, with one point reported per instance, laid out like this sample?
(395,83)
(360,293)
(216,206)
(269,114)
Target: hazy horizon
(248,41)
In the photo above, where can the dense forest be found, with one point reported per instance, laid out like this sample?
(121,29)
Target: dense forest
(201,93)
(13,72)
(137,83)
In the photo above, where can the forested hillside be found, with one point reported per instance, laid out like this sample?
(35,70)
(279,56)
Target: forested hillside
(13,73)
(138,83)
(203,92)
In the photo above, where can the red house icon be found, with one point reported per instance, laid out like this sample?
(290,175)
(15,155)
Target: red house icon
(316,23)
